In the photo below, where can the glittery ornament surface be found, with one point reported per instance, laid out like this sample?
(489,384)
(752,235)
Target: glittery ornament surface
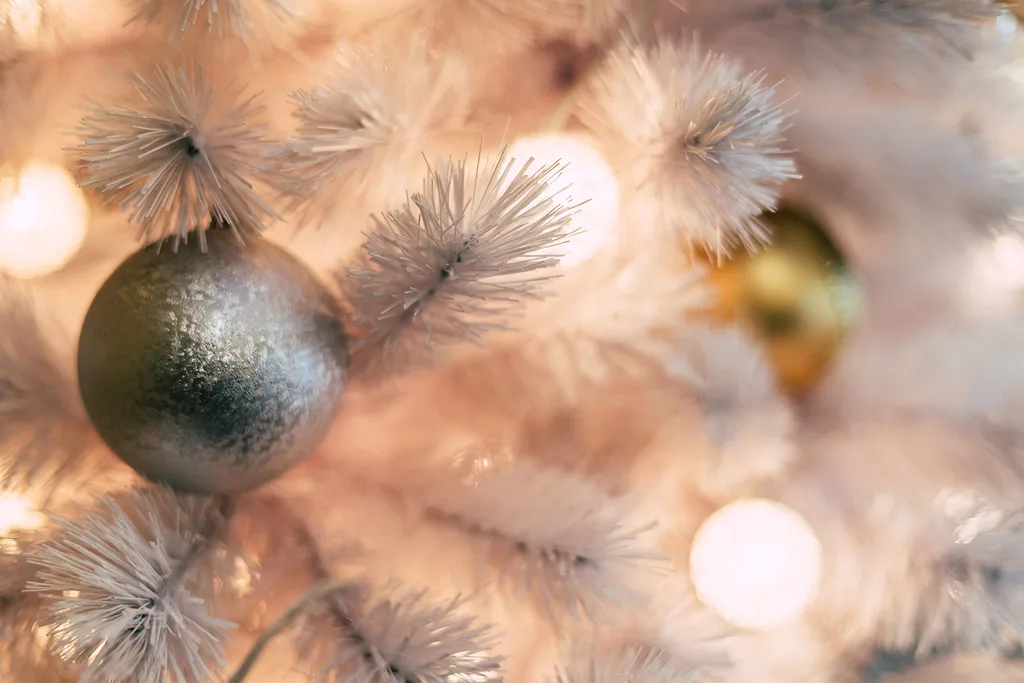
(212,372)
(796,297)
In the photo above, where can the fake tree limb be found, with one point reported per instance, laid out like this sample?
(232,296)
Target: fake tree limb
(318,592)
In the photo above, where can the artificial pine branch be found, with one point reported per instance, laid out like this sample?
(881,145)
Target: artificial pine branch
(348,633)
(180,152)
(129,588)
(547,534)
(978,604)
(402,639)
(919,35)
(44,433)
(368,126)
(633,665)
(701,137)
(220,18)
(457,260)
(745,416)
(21,656)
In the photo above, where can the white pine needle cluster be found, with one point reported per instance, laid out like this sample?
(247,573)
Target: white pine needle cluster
(20,654)
(745,416)
(704,139)
(405,639)
(129,592)
(633,665)
(43,429)
(551,535)
(980,599)
(366,126)
(826,38)
(180,155)
(458,259)
(219,18)
(472,26)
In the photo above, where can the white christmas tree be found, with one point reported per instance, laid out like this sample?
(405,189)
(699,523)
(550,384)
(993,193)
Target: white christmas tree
(440,341)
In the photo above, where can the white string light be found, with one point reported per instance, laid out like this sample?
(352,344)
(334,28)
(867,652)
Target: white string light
(18,513)
(757,563)
(43,221)
(590,183)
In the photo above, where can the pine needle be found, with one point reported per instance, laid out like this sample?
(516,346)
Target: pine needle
(44,432)
(457,260)
(403,639)
(20,653)
(916,38)
(635,665)
(179,156)
(367,127)
(550,535)
(979,600)
(128,590)
(746,418)
(702,137)
(219,18)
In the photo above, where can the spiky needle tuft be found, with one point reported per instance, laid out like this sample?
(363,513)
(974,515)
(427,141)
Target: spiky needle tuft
(368,124)
(458,259)
(551,535)
(978,599)
(217,17)
(43,429)
(915,38)
(128,591)
(183,154)
(634,665)
(703,137)
(406,639)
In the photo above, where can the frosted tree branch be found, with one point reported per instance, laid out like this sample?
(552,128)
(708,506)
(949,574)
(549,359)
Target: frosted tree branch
(180,154)
(44,432)
(979,599)
(745,416)
(548,534)
(457,260)
(129,589)
(634,665)
(402,638)
(367,128)
(218,18)
(702,139)
(919,37)
(21,657)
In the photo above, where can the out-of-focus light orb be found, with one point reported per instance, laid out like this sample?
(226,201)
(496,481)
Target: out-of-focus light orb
(757,563)
(996,273)
(44,217)
(591,185)
(24,18)
(18,513)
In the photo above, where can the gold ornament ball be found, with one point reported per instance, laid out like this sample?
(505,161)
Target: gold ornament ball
(796,297)
(212,372)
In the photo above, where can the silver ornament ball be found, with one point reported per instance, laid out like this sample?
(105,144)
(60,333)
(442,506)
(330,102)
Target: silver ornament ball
(212,372)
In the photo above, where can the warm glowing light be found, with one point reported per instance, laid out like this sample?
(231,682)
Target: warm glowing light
(996,273)
(43,221)
(757,563)
(17,512)
(24,17)
(590,183)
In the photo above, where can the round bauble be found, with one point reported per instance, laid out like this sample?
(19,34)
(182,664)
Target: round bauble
(796,296)
(212,371)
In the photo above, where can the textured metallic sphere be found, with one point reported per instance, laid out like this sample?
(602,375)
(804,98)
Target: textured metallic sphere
(212,372)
